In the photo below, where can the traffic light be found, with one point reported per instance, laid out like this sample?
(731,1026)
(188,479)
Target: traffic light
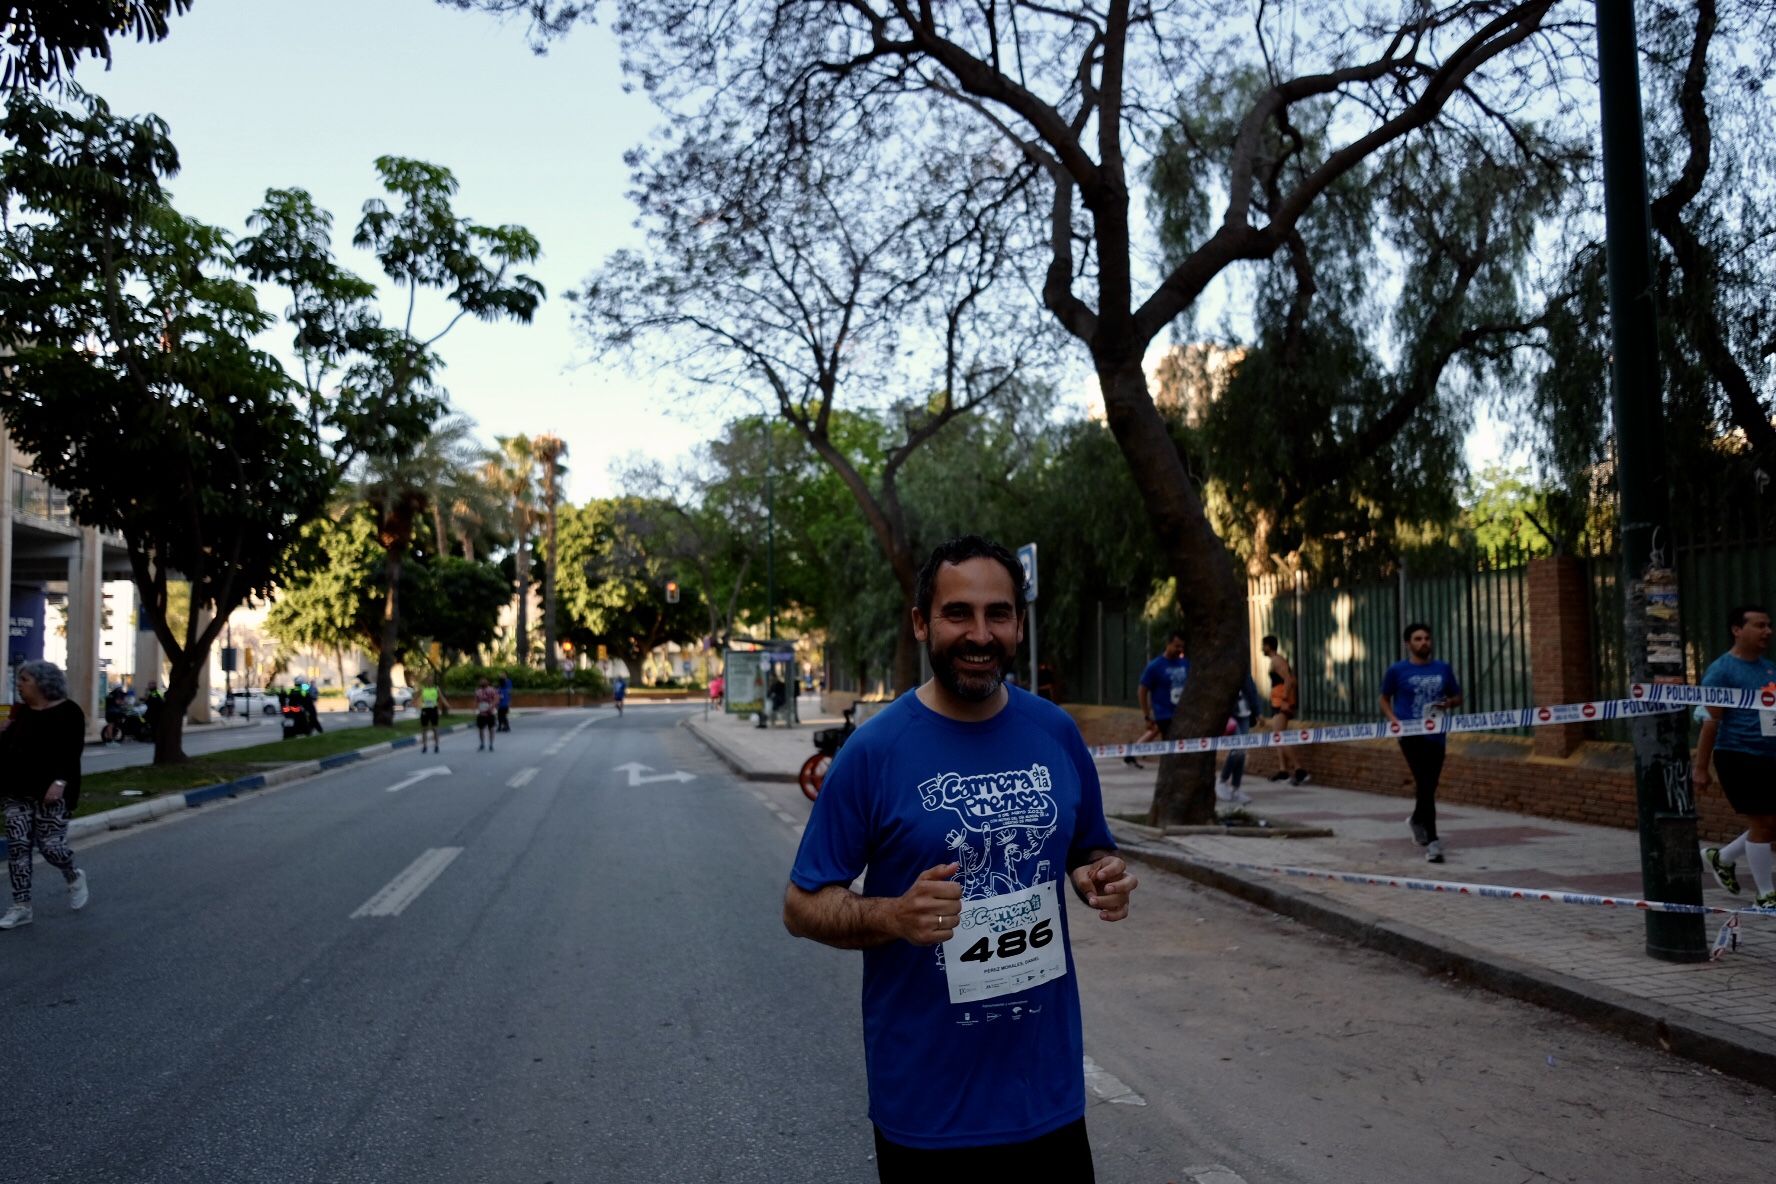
(671,591)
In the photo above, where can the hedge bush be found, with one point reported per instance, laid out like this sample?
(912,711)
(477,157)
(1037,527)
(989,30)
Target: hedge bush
(527,678)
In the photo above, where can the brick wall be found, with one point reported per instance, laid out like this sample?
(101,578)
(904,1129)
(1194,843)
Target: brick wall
(1560,646)
(1594,784)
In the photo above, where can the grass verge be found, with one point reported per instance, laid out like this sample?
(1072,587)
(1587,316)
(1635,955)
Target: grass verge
(103,791)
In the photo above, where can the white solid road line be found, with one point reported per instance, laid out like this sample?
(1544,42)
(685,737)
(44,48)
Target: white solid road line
(401,891)
(522,778)
(1110,1089)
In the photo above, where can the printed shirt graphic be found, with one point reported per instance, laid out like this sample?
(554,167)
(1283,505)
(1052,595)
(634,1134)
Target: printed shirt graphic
(1739,730)
(1164,679)
(1015,800)
(1413,687)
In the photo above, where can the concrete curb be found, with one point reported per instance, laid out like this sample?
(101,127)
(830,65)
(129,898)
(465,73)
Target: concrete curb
(147,811)
(1746,1055)
(733,759)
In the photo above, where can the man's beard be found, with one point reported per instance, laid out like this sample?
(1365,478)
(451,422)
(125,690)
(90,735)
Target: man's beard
(963,682)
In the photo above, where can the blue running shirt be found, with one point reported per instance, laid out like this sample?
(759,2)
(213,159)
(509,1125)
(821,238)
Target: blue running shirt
(1015,800)
(1415,686)
(1164,679)
(1742,731)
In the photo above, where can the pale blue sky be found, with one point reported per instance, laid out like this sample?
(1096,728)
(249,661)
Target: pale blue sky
(263,93)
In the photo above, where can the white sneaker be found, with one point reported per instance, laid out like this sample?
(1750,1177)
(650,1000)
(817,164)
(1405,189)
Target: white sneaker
(1241,796)
(1223,791)
(18,914)
(77,891)
(1434,851)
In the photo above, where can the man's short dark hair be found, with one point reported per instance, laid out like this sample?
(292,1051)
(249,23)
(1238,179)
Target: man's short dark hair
(961,550)
(1737,614)
(1406,633)
(1177,635)
(1269,641)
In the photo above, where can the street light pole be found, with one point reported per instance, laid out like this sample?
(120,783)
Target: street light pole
(1670,866)
(770,538)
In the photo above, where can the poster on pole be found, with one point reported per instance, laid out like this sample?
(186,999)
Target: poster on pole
(744,689)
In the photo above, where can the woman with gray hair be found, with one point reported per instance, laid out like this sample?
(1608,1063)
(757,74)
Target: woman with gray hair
(40,784)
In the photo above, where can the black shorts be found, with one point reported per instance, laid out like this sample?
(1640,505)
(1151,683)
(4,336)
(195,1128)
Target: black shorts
(1063,1156)
(428,717)
(485,719)
(1749,780)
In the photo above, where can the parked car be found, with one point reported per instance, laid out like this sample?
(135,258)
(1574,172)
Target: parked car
(251,701)
(364,698)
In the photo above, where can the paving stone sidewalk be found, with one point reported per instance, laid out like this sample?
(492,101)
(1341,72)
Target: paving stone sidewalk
(1585,960)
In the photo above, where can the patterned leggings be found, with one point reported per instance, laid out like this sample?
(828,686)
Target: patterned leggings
(40,824)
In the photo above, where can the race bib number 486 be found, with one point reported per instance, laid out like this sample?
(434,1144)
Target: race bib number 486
(1006,944)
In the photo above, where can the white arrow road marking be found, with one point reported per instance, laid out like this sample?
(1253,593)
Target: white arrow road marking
(400,892)
(637,775)
(522,778)
(1112,1090)
(434,771)
(555,748)
(1214,1173)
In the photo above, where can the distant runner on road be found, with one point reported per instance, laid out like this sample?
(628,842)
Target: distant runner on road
(486,714)
(431,699)
(972,804)
(1158,690)
(619,689)
(1285,704)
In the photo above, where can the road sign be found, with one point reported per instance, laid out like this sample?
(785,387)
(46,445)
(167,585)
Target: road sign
(1027,557)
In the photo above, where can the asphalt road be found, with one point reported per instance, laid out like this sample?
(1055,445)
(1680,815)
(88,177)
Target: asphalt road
(594,984)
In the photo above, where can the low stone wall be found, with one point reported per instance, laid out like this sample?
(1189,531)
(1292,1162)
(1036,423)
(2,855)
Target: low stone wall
(1594,783)
(553,699)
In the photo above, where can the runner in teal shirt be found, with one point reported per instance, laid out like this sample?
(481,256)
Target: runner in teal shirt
(1740,743)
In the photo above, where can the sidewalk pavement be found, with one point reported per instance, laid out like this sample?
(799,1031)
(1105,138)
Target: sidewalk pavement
(1589,962)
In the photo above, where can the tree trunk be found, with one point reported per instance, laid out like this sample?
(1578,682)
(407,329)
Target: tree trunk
(906,650)
(1215,634)
(382,715)
(521,562)
(550,657)
(181,690)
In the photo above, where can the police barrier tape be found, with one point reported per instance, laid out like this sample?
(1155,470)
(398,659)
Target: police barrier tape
(1726,939)
(1478,721)
(1762,699)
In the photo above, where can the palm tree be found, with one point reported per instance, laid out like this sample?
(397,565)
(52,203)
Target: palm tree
(512,470)
(549,450)
(453,486)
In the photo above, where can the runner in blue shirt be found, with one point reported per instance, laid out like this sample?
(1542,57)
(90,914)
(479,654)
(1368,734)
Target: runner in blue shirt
(1159,688)
(972,805)
(1742,745)
(1419,687)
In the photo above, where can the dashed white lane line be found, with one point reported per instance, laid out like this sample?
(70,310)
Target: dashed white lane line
(401,891)
(1213,1174)
(522,778)
(567,737)
(1111,1089)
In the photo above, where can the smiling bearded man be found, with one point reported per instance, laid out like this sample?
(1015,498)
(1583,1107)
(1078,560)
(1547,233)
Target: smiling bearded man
(968,800)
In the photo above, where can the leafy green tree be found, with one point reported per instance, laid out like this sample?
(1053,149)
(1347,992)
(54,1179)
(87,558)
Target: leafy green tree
(133,378)
(335,593)
(379,383)
(800,286)
(45,39)
(613,584)
(1078,94)
(1706,70)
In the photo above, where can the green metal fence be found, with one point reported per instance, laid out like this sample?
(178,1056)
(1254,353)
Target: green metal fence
(1117,647)
(1343,637)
